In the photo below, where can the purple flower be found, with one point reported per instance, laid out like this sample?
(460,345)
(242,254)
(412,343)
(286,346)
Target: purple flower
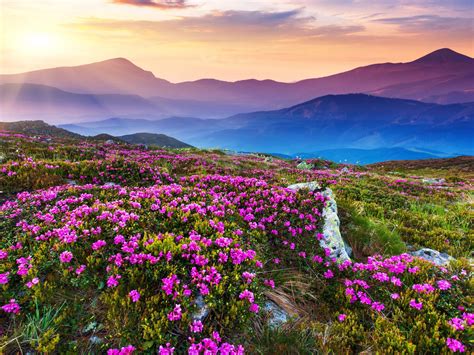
(4,278)
(341,317)
(416,305)
(65,257)
(455,345)
(196,326)
(175,314)
(444,285)
(134,295)
(11,307)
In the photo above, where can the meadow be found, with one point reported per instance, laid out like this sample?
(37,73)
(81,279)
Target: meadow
(116,248)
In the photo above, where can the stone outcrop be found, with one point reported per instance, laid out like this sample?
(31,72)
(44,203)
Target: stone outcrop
(433,255)
(332,235)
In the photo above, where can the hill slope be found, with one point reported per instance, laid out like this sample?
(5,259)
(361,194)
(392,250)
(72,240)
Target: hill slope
(329,122)
(442,76)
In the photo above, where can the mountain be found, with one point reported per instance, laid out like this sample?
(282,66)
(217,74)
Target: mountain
(37,128)
(356,121)
(41,128)
(46,102)
(159,140)
(443,76)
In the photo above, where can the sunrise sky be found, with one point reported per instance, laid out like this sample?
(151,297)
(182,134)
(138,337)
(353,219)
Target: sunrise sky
(183,40)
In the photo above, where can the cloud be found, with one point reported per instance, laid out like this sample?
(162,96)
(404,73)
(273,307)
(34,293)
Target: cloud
(229,26)
(158,4)
(429,23)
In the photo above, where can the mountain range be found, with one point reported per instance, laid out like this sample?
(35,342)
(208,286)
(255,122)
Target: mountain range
(42,129)
(117,87)
(355,121)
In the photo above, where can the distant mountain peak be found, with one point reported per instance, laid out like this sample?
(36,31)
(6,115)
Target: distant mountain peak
(444,55)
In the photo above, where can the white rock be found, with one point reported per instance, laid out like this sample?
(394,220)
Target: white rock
(203,309)
(433,255)
(278,316)
(332,235)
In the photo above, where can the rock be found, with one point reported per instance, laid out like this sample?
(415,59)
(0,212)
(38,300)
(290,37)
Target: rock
(433,181)
(203,309)
(305,166)
(332,235)
(311,186)
(278,316)
(433,255)
(71,182)
(95,340)
(110,184)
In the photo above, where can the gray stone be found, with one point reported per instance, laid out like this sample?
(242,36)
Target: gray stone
(433,181)
(311,186)
(433,255)
(278,316)
(203,309)
(332,235)
(71,182)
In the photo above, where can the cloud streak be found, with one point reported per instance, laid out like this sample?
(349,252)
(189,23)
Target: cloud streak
(157,4)
(429,23)
(227,26)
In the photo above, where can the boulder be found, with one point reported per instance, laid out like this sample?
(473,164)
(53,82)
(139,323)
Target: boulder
(332,235)
(277,315)
(433,255)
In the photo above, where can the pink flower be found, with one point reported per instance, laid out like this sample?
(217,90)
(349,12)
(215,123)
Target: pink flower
(112,281)
(254,308)
(457,323)
(65,257)
(269,283)
(416,305)
(80,269)
(99,244)
(328,274)
(196,326)
(395,296)
(246,294)
(341,317)
(175,314)
(167,350)
(455,345)
(33,282)
(134,295)
(126,350)
(11,307)
(444,285)
(4,278)
(377,306)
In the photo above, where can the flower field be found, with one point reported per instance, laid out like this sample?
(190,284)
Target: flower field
(120,249)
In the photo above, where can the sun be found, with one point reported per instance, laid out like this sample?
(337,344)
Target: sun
(38,41)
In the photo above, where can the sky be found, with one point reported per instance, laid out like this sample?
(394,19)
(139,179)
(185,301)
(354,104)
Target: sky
(180,40)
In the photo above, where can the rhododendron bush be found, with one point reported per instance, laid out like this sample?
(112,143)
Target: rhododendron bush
(166,252)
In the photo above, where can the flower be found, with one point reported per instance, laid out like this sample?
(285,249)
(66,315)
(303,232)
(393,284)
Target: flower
(126,350)
(65,256)
(134,295)
(395,296)
(112,281)
(328,274)
(444,285)
(341,317)
(455,345)
(196,326)
(11,307)
(166,350)
(175,314)
(4,278)
(33,282)
(416,305)
(254,308)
